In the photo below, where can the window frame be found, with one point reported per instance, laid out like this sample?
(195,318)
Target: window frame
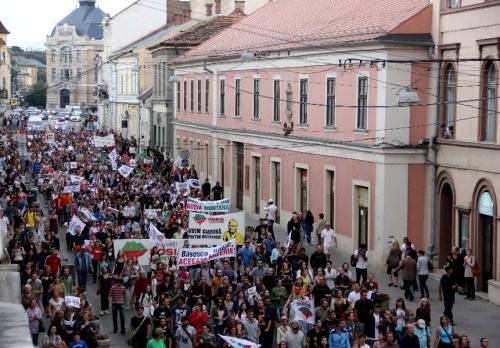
(185,96)
(276,100)
(222,97)
(198,94)
(489,96)
(178,101)
(362,104)
(256,98)
(330,115)
(237,97)
(66,54)
(191,96)
(303,96)
(207,96)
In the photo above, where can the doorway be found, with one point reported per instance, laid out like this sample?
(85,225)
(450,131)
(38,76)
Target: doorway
(303,190)
(240,162)
(486,223)
(64,98)
(256,185)
(445,223)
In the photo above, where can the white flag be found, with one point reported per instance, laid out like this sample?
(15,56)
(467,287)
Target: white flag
(125,170)
(88,214)
(238,342)
(155,234)
(288,239)
(74,223)
(304,310)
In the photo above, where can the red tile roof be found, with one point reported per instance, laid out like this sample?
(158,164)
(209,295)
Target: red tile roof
(298,23)
(205,30)
(3,30)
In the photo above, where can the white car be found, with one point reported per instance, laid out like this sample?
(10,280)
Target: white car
(75,118)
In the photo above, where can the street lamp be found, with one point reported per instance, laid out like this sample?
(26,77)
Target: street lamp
(408,98)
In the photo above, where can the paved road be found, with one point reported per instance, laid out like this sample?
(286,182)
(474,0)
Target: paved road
(472,318)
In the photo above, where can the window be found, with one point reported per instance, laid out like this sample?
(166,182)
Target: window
(66,54)
(303,102)
(222,97)
(489,103)
(79,73)
(192,97)
(78,56)
(66,74)
(199,96)
(330,102)
(276,100)
(53,56)
(256,98)
(178,101)
(362,103)
(53,74)
(207,90)
(185,96)
(237,97)
(449,101)
(453,3)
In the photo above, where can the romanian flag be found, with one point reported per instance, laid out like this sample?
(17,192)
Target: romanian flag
(20,131)
(239,343)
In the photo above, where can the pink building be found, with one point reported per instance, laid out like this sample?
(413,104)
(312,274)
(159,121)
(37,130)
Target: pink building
(334,69)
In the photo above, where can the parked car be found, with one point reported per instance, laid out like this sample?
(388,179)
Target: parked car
(64,114)
(45,115)
(75,118)
(35,123)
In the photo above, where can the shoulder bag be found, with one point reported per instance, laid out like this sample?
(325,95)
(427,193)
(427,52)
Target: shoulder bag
(129,340)
(476,271)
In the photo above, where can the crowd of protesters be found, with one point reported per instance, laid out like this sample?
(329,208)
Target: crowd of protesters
(247,297)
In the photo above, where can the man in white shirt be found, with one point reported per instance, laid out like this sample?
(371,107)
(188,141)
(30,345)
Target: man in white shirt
(327,240)
(4,232)
(361,257)
(330,275)
(270,210)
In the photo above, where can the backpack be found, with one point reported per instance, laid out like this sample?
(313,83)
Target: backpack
(354,262)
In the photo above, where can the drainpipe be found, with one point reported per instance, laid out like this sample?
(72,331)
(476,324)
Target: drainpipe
(432,252)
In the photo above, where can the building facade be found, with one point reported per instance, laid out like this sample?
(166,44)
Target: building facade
(73,49)
(5,76)
(28,70)
(312,121)
(466,175)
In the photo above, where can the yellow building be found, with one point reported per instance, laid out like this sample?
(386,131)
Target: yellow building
(4,69)
(28,70)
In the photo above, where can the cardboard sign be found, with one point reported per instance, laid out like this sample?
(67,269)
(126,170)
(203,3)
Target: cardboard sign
(129,211)
(107,141)
(207,229)
(68,189)
(150,213)
(72,165)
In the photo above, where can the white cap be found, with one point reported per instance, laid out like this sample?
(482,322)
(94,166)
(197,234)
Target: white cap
(421,323)
(270,200)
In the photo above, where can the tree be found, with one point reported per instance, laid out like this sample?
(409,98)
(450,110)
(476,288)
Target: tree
(16,49)
(38,95)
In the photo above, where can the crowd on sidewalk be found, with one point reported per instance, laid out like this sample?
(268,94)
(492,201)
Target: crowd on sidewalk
(248,297)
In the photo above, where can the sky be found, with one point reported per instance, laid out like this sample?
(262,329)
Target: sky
(30,21)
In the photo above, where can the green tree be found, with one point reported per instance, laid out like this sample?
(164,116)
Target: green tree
(16,49)
(41,75)
(38,95)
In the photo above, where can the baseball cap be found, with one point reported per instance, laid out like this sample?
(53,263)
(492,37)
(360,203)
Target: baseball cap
(421,323)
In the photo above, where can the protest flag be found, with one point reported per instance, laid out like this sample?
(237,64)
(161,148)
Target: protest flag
(304,310)
(239,343)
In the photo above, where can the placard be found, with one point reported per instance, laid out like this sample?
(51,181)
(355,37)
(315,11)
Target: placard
(129,211)
(125,171)
(195,256)
(72,165)
(74,223)
(108,141)
(68,189)
(72,301)
(151,213)
(182,188)
(207,229)
(221,206)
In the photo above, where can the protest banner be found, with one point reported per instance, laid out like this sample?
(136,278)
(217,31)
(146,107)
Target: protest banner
(132,162)
(129,211)
(74,224)
(304,310)
(72,165)
(108,141)
(76,178)
(207,229)
(76,188)
(72,301)
(239,342)
(87,213)
(150,213)
(113,155)
(155,234)
(170,247)
(221,206)
(125,171)
(141,248)
(182,188)
(195,256)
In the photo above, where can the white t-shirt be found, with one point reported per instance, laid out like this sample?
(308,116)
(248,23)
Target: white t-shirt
(271,211)
(361,264)
(328,236)
(4,225)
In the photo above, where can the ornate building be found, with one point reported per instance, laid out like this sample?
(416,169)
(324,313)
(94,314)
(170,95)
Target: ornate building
(4,68)
(72,51)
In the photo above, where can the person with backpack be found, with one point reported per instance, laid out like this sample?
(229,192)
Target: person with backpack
(361,258)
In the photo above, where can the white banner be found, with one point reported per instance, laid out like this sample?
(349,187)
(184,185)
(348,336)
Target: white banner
(108,140)
(195,256)
(113,155)
(221,206)
(239,342)
(155,234)
(194,183)
(88,214)
(68,189)
(207,229)
(304,310)
(72,301)
(125,171)
(74,224)
(76,178)
(141,248)
(182,188)
(150,213)
(129,211)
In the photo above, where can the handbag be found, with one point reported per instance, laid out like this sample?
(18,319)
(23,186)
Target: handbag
(41,326)
(476,271)
(430,265)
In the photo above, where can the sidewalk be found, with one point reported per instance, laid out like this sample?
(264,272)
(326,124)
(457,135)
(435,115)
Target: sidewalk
(476,319)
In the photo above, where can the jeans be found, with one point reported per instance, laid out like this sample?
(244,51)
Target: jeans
(361,273)
(308,230)
(82,278)
(34,339)
(448,305)
(115,308)
(408,293)
(423,285)
(471,288)
(104,302)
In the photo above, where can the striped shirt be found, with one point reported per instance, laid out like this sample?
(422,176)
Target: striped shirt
(117,294)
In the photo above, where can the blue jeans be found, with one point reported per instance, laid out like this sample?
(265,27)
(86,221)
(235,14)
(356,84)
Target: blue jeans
(82,278)
(34,339)
(423,284)
(307,231)
(115,308)
(407,285)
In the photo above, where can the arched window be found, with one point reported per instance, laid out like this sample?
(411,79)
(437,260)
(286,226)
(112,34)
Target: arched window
(66,54)
(449,98)
(489,94)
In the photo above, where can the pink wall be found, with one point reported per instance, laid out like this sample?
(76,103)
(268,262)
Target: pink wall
(416,211)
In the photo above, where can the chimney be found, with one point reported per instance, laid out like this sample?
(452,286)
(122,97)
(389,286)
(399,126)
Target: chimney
(217,7)
(177,19)
(187,15)
(209,9)
(239,4)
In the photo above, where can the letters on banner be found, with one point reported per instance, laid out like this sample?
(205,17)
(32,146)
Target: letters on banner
(108,141)
(304,310)
(72,301)
(205,229)
(195,256)
(141,248)
(221,206)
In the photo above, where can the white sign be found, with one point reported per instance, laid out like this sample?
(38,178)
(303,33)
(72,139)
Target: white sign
(195,256)
(207,229)
(68,189)
(72,165)
(108,141)
(125,171)
(74,224)
(150,213)
(129,211)
(76,188)
(221,206)
(182,188)
(87,213)
(72,301)
(76,178)
(133,162)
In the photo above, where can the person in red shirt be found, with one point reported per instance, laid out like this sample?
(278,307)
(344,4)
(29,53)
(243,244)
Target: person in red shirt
(371,284)
(96,256)
(197,319)
(140,285)
(54,262)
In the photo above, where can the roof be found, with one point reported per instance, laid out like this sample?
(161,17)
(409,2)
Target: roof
(86,18)
(205,30)
(3,29)
(23,61)
(146,94)
(300,23)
